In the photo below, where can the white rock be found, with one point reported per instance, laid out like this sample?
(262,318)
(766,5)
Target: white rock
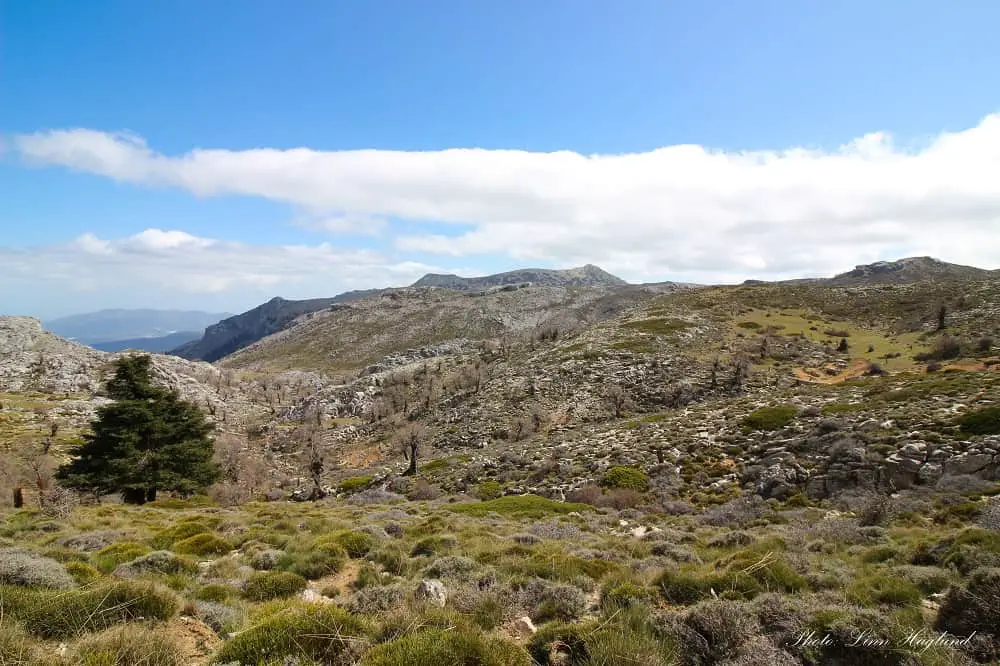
(433,591)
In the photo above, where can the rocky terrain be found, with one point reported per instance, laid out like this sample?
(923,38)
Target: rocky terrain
(235,333)
(605,474)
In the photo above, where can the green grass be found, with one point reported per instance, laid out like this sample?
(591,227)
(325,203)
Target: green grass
(54,614)
(354,484)
(519,506)
(657,325)
(801,323)
(437,647)
(312,633)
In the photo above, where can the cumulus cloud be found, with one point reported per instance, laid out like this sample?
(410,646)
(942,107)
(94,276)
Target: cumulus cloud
(680,211)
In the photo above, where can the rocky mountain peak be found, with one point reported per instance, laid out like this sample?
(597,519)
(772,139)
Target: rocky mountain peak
(909,269)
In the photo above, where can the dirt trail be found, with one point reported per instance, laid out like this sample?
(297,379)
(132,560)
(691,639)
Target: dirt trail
(857,368)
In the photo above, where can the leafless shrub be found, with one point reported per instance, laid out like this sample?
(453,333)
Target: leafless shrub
(740,512)
(556,530)
(422,490)
(375,496)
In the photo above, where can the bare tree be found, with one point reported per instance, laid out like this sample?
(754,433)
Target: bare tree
(616,399)
(409,440)
(741,372)
(310,436)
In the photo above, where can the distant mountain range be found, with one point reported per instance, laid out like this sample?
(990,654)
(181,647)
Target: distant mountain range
(240,331)
(148,329)
(158,345)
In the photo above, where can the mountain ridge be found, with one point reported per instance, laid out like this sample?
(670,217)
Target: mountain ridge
(240,331)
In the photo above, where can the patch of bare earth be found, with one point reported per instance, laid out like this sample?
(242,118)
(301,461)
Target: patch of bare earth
(195,639)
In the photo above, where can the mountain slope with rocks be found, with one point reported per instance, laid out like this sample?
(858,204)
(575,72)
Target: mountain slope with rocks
(234,333)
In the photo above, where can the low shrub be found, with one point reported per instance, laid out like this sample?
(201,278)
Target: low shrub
(877,589)
(267,585)
(318,560)
(109,557)
(717,630)
(25,568)
(179,531)
(354,484)
(929,580)
(393,559)
(88,542)
(569,640)
(214,592)
(128,645)
(356,544)
(518,506)
(308,632)
(681,587)
(221,618)
(433,545)
(489,490)
(451,566)
(202,544)
(769,418)
(64,613)
(82,573)
(157,562)
(377,600)
(266,559)
(436,647)
(627,478)
(559,602)
(984,421)
(975,607)
(623,593)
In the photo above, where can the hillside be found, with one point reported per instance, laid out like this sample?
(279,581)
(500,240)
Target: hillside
(242,330)
(238,331)
(623,470)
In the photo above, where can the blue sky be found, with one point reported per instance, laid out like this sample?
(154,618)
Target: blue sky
(550,92)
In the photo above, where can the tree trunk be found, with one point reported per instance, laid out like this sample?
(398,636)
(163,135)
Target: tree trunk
(413,462)
(18,498)
(151,494)
(134,496)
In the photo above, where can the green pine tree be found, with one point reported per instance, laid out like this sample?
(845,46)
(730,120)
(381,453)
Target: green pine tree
(147,440)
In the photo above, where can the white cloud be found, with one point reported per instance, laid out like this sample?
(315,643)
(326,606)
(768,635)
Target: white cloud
(154,264)
(677,211)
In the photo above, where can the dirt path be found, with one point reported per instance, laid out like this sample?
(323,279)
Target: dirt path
(857,368)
